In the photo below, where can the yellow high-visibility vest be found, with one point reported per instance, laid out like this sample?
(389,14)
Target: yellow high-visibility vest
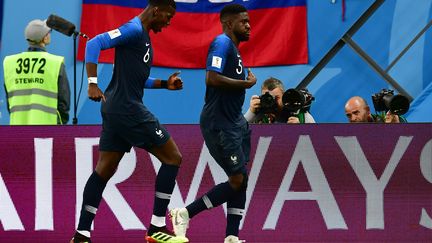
(31,80)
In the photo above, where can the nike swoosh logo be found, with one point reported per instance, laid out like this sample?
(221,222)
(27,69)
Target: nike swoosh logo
(147,44)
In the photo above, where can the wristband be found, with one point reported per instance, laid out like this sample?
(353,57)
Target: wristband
(92,80)
(164,84)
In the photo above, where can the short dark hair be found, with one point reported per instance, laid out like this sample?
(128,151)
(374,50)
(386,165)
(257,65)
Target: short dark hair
(170,3)
(231,9)
(273,83)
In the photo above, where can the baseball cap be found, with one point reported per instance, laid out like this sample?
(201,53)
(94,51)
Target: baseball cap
(36,30)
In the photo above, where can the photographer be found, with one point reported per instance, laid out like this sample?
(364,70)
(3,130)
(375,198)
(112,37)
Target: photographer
(269,107)
(357,110)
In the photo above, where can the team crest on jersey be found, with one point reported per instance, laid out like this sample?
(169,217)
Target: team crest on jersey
(114,33)
(234,159)
(159,133)
(216,62)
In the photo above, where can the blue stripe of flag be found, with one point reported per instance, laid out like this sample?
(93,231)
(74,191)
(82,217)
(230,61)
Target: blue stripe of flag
(205,6)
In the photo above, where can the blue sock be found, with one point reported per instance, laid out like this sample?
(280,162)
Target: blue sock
(91,199)
(235,208)
(164,186)
(215,197)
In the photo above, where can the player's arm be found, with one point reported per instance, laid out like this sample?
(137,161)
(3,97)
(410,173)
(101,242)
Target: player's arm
(174,82)
(107,40)
(216,60)
(217,80)
(93,92)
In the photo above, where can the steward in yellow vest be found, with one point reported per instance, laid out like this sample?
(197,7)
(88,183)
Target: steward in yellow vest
(36,83)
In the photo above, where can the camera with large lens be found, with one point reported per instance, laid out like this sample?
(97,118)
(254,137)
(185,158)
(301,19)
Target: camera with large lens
(296,100)
(268,104)
(386,101)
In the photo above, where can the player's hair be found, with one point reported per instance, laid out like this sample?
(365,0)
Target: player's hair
(273,83)
(231,9)
(162,3)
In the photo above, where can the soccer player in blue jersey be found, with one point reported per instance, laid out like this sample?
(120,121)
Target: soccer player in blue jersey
(225,130)
(126,121)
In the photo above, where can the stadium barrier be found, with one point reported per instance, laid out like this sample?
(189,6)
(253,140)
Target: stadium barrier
(313,182)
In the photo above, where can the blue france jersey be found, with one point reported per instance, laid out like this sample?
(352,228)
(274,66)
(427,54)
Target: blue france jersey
(223,108)
(132,64)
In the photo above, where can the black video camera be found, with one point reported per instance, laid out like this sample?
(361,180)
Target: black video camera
(296,100)
(387,101)
(268,104)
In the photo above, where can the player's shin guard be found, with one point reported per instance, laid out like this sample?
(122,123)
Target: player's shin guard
(91,198)
(164,186)
(215,197)
(235,212)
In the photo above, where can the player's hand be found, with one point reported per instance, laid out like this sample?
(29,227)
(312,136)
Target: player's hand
(250,79)
(391,118)
(175,82)
(255,103)
(94,93)
(293,119)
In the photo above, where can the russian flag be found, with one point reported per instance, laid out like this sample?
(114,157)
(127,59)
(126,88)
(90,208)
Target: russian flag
(278,30)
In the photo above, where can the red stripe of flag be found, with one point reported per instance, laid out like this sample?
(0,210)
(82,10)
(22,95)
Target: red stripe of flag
(278,36)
